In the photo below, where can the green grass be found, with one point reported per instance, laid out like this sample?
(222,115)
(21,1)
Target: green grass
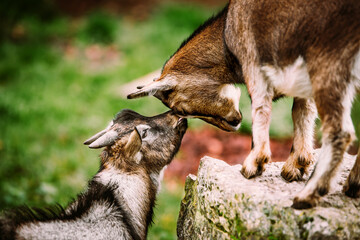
(52,98)
(51,101)
(166,212)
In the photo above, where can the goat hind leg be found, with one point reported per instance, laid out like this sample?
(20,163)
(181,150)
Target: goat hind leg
(330,156)
(301,156)
(338,133)
(352,185)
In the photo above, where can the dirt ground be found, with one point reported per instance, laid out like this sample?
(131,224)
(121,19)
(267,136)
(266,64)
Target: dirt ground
(230,147)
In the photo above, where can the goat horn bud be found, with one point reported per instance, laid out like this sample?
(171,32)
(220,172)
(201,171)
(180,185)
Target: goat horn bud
(151,89)
(105,140)
(137,94)
(99,134)
(93,138)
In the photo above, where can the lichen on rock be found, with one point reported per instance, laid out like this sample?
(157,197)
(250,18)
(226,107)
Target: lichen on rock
(221,204)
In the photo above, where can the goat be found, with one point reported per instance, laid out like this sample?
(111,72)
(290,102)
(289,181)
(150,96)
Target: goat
(308,50)
(119,200)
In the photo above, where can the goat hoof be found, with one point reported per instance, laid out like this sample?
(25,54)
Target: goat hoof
(252,172)
(352,190)
(305,161)
(304,203)
(295,174)
(295,168)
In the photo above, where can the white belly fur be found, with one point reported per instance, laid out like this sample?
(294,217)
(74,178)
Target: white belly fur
(292,80)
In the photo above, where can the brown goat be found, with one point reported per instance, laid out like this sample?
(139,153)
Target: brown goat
(308,50)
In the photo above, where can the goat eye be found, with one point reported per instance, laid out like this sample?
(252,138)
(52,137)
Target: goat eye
(144,133)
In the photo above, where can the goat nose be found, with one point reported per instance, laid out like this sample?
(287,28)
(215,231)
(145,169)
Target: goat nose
(234,119)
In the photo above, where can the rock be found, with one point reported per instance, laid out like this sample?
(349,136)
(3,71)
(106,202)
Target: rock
(221,204)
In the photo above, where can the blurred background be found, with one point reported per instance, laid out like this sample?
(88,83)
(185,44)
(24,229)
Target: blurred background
(62,66)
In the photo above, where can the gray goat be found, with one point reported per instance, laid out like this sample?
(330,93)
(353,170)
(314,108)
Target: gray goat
(119,200)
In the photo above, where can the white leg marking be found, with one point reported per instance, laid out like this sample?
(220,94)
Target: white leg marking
(322,166)
(261,116)
(347,124)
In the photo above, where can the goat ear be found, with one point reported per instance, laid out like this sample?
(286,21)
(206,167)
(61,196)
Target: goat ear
(151,89)
(134,144)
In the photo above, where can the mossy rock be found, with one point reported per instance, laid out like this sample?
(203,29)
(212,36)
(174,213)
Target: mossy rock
(221,204)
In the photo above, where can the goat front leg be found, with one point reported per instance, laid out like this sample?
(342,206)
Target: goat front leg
(260,152)
(303,114)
